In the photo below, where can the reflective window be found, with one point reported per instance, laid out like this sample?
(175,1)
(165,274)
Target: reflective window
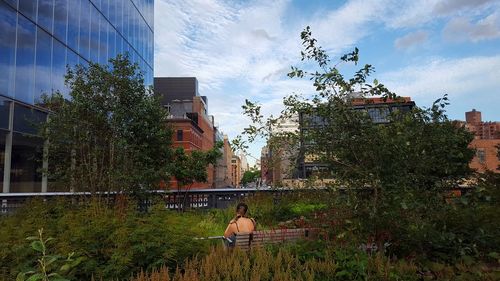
(25,174)
(43,64)
(4,114)
(60,19)
(73,23)
(94,34)
(3,136)
(25,60)
(13,3)
(28,8)
(58,66)
(83,45)
(103,40)
(111,43)
(126,19)
(46,14)
(27,120)
(7,49)
(71,61)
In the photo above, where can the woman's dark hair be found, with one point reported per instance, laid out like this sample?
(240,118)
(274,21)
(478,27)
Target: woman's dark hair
(242,206)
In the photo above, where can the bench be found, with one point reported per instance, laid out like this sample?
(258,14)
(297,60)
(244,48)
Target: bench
(246,240)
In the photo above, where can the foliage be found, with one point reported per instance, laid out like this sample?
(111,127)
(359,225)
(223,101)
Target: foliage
(329,263)
(111,134)
(392,179)
(49,267)
(188,168)
(250,176)
(113,241)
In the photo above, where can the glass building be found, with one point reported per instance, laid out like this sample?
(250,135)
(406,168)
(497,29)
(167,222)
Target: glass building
(38,39)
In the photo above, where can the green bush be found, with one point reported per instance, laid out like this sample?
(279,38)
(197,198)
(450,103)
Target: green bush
(115,241)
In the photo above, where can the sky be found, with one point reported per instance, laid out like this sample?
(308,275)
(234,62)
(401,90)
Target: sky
(243,50)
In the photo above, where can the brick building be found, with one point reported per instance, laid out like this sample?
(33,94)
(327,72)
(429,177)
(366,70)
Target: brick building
(235,171)
(188,116)
(486,140)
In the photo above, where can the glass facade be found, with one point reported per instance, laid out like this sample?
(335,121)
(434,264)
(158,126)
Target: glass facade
(38,40)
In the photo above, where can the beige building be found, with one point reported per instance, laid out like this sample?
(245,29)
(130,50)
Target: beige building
(235,171)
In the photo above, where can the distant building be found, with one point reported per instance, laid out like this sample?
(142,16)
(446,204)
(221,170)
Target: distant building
(244,163)
(281,152)
(223,166)
(188,116)
(235,171)
(486,140)
(377,108)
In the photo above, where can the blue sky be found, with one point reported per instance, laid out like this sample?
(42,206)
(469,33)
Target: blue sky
(243,49)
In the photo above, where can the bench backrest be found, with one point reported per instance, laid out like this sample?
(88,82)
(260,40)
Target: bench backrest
(245,240)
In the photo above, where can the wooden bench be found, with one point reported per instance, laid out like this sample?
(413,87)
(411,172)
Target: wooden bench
(246,240)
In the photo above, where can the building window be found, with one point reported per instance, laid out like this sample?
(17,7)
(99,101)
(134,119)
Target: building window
(481,155)
(179,135)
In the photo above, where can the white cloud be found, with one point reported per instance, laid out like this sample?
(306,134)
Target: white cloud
(244,50)
(461,29)
(456,77)
(411,40)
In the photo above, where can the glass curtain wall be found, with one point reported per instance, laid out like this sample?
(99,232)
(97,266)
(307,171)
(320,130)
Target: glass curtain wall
(38,40)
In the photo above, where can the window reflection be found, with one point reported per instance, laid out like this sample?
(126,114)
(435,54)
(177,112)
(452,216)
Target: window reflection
(73,23)
(7,49)
(60,19)
(43,64)
(103,40)
(28,8)
(46,14)
(27,120)
(94,34)
(83,44)
(25,60)
(58,66)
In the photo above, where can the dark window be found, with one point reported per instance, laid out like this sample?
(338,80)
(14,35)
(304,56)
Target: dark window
(25,174)
(7,49)
(179,135)
(3,135)
(27,120)
(4,114)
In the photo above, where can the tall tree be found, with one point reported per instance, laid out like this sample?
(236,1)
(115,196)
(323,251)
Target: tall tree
(407,165)
(111,133)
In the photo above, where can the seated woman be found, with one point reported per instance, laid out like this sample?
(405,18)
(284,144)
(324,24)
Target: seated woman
(240,223)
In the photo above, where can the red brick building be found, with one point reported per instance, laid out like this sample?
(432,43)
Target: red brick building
(192,126)
(486,138)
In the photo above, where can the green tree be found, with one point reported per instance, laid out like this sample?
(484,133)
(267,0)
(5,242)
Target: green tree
(407,165)
(111,133)
(250,176)
(188,168)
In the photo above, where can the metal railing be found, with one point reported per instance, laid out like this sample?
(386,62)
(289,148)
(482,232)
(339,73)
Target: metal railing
(176,200)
